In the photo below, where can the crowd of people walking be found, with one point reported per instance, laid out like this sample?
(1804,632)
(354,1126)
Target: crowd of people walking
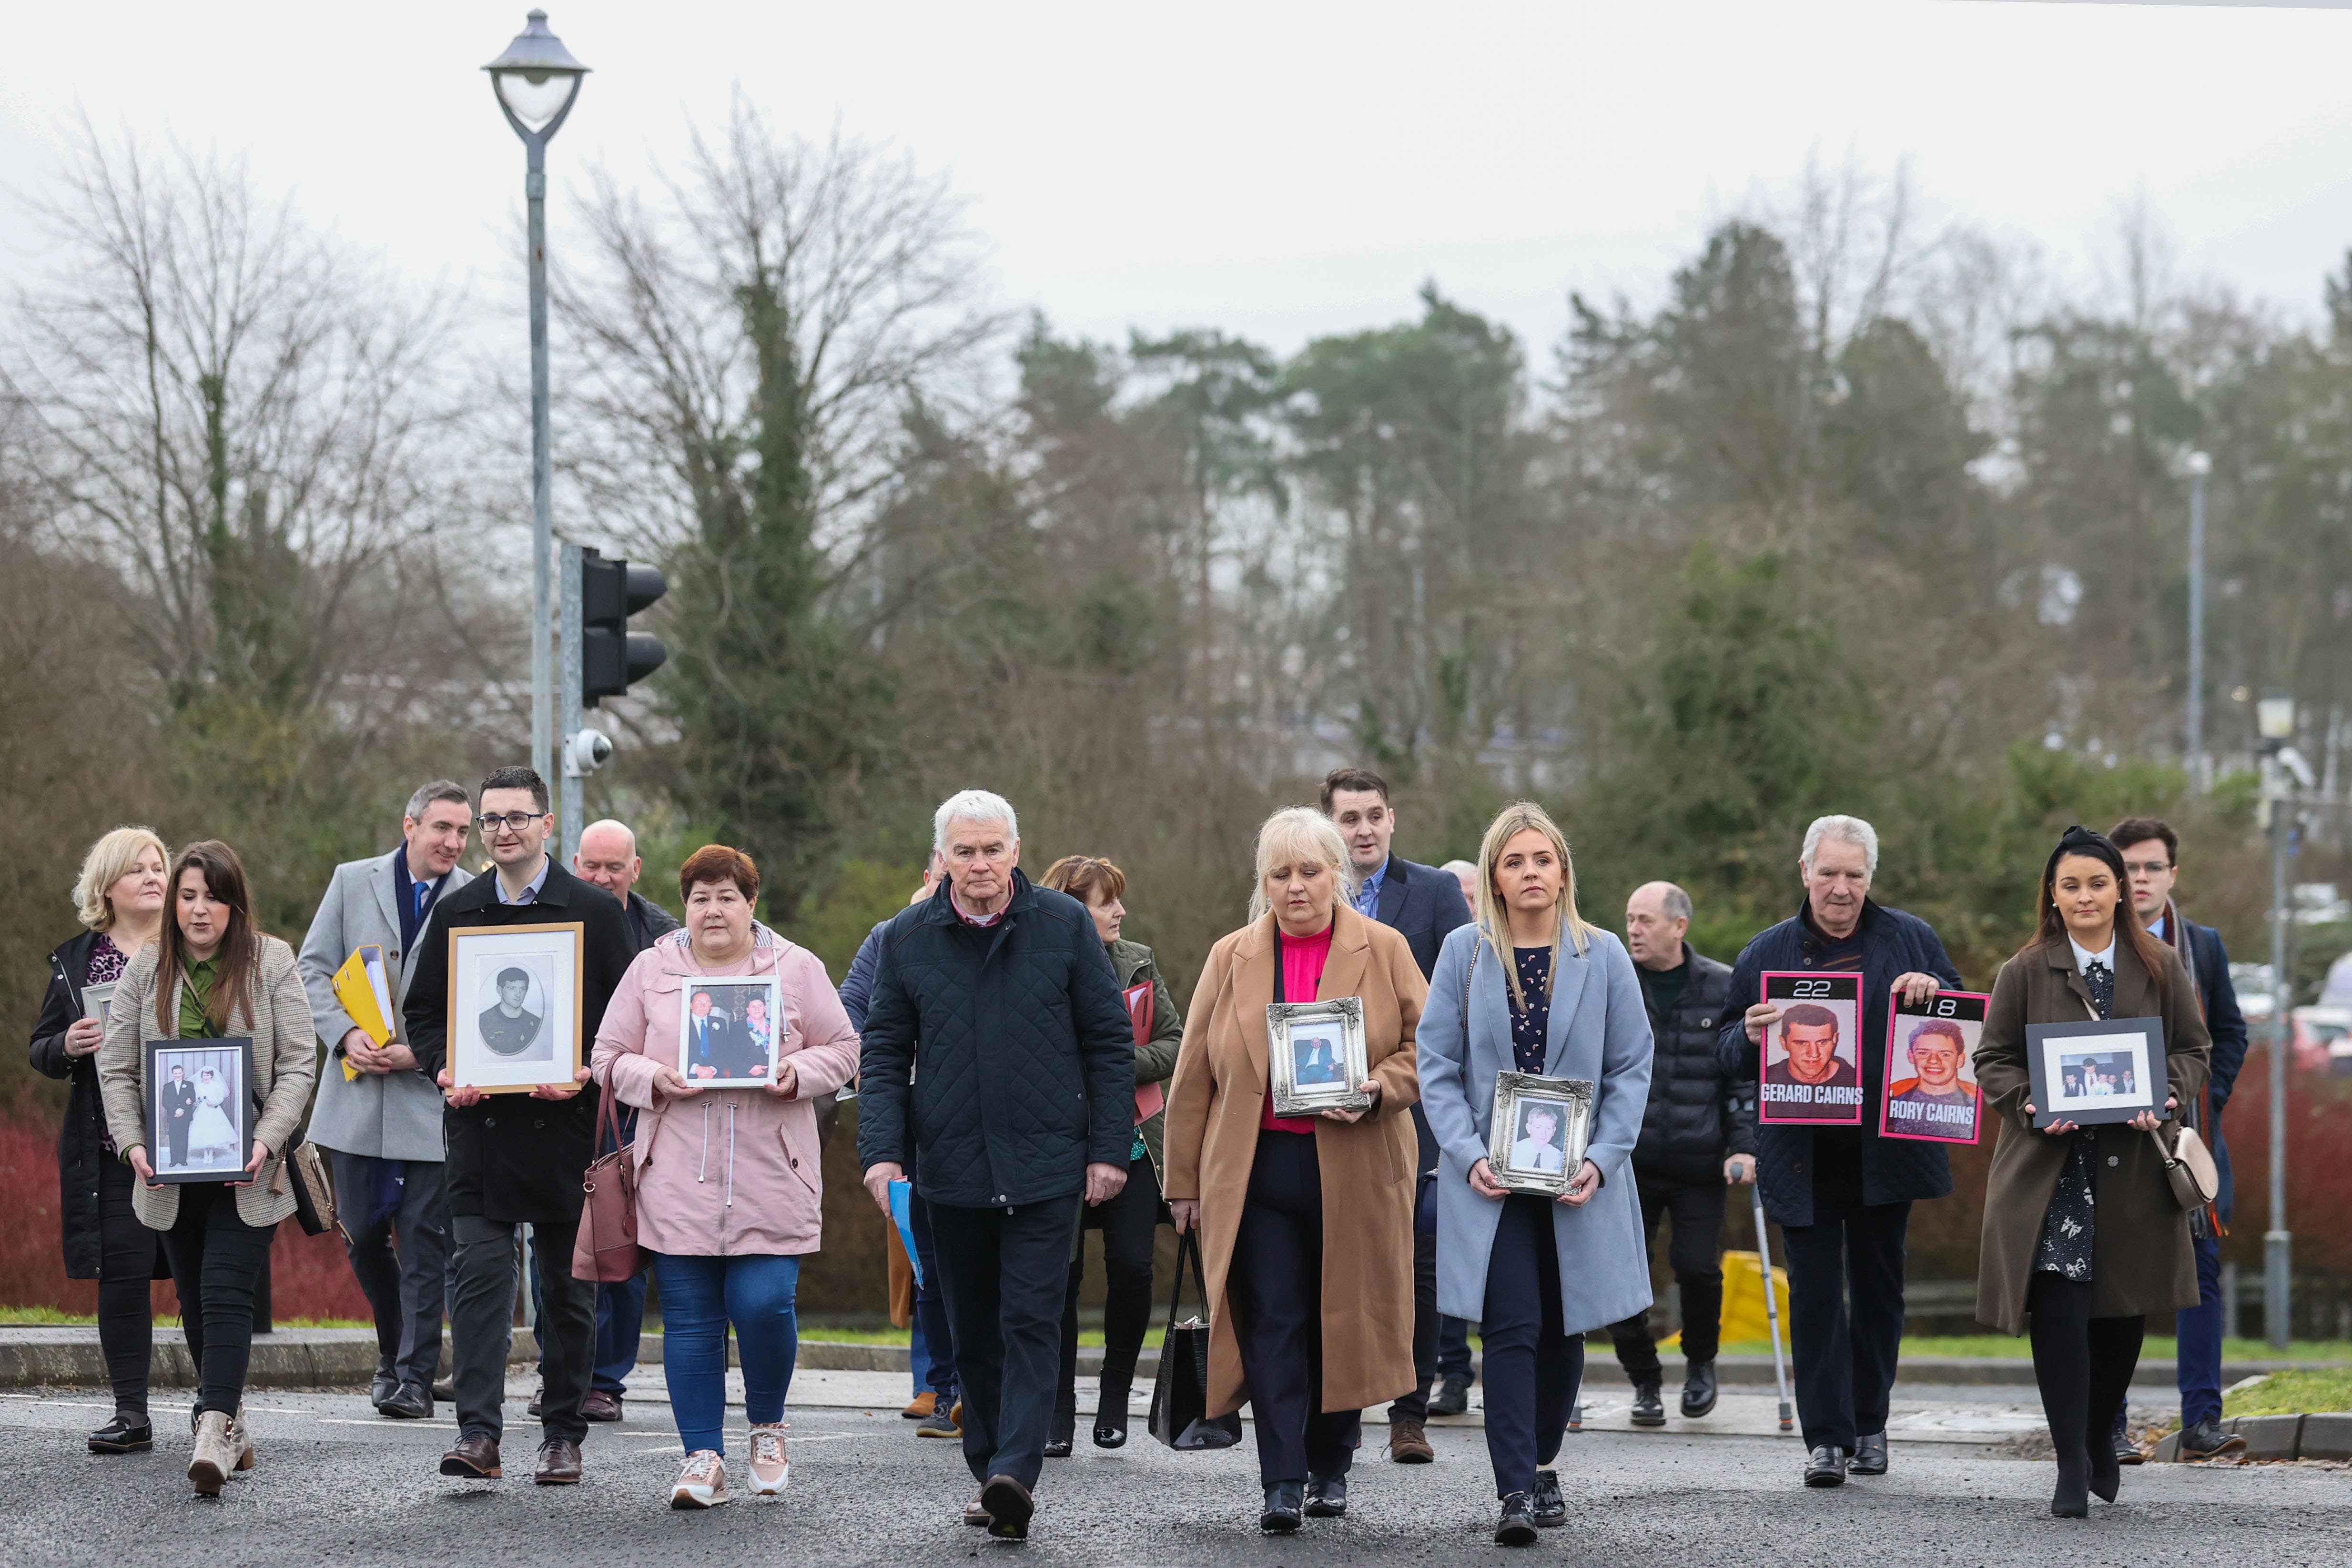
(1024,1074)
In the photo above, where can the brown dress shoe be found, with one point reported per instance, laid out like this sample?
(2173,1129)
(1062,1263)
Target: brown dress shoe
(475,1457)
(559,1463)
(1409,1445)
(602,1405)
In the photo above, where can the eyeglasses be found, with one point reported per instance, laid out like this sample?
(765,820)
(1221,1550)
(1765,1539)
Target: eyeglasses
(512,822)
(2150,868)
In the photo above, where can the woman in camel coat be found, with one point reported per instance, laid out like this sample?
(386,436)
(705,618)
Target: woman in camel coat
(1307,1345)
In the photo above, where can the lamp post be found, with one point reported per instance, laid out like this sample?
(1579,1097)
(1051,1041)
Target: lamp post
(2199,466)
(537,81)
(2274,719)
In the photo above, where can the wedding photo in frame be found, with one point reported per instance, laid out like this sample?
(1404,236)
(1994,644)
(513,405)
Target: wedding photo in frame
(1537,1135)
(1813,1058)
(2096,1071)
(1315,1056)
(1931,1074)
(515,1006)
(730,1031)
(200,1111)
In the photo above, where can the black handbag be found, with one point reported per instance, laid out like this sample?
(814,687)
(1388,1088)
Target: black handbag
(1179,1394)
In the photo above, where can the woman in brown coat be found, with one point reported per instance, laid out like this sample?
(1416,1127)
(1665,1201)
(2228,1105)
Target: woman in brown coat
(1305,1223)
(2082,1237)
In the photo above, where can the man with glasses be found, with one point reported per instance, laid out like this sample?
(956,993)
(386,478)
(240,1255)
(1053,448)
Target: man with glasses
(516,1160)
(378,1115)
(2151,852)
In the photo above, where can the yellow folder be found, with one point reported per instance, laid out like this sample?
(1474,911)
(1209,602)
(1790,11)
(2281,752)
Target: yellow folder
(361,987)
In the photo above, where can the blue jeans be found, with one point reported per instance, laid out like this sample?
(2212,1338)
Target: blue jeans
(700,1296)
(2199,1328)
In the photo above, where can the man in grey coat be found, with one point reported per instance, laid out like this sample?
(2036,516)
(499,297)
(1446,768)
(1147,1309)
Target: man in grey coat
(377,1116)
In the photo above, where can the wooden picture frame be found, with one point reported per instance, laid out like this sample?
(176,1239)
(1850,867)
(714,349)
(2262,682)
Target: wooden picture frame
(200,1125)
(516,1002)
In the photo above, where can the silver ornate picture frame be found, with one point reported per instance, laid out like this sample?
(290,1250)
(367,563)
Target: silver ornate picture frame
(1315,1056)
(1537,1136)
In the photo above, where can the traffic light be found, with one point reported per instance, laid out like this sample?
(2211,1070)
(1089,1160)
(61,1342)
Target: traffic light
(612,657)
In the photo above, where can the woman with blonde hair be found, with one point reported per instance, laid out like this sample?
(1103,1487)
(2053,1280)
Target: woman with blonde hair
(1530,988)
(119,898)
(1305,1223)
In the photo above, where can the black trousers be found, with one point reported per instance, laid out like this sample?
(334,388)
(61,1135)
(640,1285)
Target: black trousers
(1696,1209)
(1004,1272)
(1533,1364)
(1130,1224)
(126,1267)
(2082,1363)
(405,1283)
(481,1326)
(1414,1406)
(1845,1363)
(215,1258)
(1275,1286)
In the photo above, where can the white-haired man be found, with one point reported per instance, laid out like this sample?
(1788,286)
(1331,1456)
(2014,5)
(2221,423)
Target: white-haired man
(1843,1196)
(998,1065)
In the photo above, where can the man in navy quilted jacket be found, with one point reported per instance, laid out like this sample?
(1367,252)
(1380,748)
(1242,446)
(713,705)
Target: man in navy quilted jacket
(998,1053)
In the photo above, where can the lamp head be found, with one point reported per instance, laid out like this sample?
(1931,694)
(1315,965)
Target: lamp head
(536,79)
(2199,464)
(2274,716)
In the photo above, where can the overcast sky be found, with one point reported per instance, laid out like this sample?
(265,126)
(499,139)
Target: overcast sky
(1278,168)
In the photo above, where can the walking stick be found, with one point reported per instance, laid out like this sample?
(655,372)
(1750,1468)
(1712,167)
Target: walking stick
(1771,1307)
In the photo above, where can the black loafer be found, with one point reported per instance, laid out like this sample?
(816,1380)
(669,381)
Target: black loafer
(1452,1398)
(1869,1455)
(1698,1389)
(2127,1452)
(1009,1507)
(1825,1467)
(1286,1509)
(1649,1410)
(409,1402)
(1518,1525)
(1550,1508)
(1327,1497)
(126,1434)
(2206,1441)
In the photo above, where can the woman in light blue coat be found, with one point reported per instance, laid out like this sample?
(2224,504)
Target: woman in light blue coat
(1550,996)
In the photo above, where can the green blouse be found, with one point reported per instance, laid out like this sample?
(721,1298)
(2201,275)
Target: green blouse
(194,1025)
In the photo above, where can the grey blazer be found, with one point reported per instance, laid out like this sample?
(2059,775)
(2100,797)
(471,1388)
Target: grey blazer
(284,1062)
(385,1115)
(1598,1030)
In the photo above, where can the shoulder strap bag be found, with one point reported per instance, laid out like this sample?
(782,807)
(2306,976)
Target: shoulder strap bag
(604,1248)
(1179,1390)
(2189,1167)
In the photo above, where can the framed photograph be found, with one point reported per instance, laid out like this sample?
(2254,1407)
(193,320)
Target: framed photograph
(2096,1071)
(1536,1137)
(515,1006)
(730,1031)
(1931,1074)
(95,1001)
(200,1111)
(1813,1057)
(1315,1056)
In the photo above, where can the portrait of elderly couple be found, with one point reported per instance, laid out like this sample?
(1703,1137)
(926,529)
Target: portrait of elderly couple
(728,1032)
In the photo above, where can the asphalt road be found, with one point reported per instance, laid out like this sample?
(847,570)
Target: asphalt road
(336,1486)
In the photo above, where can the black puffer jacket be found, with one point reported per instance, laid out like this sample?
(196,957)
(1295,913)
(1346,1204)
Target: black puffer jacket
(998,1057)
(1698,1117)
(80,1139)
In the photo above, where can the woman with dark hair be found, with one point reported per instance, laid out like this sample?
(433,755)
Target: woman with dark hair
(212,975)
(1129,1222)
(2082,1237)
(120,898)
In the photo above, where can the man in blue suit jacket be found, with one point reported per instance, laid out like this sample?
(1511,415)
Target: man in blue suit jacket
(2151,853)
(1421,904)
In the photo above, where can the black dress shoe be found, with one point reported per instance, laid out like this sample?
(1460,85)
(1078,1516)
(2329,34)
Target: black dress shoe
(1518,1525)
(1698,1389)
(1550,1508)
(406,1402)
(1110,1420)
(381,1389)
(1452,1396)
(1649,1410)
(2206,1441)
(1825,1467)
(1009,1507)
(1285,1508)
(1869,1455)
(1327,1497)
(2127,1452)
(1062,1435)
(126,1434)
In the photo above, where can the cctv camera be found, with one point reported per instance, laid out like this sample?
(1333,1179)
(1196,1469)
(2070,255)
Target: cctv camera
(586,752)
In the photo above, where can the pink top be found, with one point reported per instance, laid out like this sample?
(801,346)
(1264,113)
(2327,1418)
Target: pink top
(1302,974)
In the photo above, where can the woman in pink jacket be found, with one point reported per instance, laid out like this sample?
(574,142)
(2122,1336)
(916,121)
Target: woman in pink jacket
(730,1189)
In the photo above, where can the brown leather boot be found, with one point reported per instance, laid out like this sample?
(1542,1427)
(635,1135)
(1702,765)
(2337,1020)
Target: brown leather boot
(1408,1444)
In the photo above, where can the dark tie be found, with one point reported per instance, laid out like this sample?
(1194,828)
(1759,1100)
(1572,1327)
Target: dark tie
(2102,981)
(424,897)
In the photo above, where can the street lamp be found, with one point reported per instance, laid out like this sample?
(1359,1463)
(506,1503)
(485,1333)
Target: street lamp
(2199,466)
(537,81)
(2275,721)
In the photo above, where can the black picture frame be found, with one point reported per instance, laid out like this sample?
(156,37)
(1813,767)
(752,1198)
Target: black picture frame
(2129,1048)
(172,1158)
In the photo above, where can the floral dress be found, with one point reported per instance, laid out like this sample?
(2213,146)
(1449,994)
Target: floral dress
(2069,1226)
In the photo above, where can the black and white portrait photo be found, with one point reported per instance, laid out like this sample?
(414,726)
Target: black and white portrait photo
(513,1026)
(199,1109)
(514,1005)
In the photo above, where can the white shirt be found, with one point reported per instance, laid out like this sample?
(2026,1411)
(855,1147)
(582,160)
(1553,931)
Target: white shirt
(2084,957)
(1527,1155)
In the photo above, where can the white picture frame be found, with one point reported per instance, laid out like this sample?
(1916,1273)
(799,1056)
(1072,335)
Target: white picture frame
(1537,1131)
(515,1006)
(740,1038)
(1316,1058)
